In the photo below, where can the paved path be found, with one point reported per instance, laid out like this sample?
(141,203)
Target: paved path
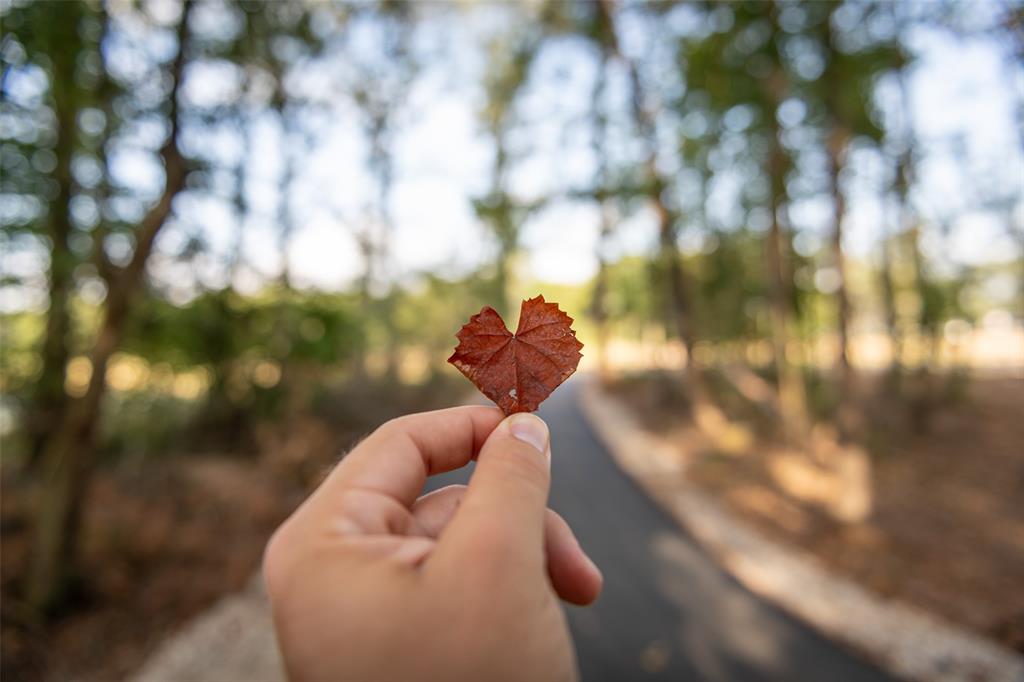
(667,611)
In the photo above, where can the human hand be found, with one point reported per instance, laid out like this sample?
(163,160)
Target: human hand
(367,582)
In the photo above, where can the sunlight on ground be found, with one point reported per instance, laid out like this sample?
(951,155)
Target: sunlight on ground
(841,484)
(989,346)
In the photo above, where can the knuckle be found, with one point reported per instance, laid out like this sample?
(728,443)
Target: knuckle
(368,512)
(351,502)
(394,425)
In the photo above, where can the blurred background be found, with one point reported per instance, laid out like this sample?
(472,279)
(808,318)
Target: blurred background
(238,236)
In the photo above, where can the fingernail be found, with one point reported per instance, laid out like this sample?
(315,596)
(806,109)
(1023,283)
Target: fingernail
(530,429)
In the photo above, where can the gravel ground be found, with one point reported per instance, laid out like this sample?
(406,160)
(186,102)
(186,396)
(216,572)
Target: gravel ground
(232,642)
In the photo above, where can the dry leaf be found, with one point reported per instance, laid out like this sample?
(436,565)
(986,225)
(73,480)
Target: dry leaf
(518,371)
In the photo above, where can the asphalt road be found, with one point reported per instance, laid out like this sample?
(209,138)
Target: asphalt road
(667,611)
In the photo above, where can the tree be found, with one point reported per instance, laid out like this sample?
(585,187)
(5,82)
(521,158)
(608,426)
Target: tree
(599,29)
(379,92)
(842,93)
(655,186)
(745,66)
(267,27)
(68,453)
(58,45)
(511,56)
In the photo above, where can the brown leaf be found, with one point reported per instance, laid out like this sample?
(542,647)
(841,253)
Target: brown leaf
(518,371)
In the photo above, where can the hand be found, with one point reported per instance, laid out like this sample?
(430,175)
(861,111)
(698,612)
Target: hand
(367,582)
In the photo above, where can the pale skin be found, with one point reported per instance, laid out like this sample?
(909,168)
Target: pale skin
(368,581)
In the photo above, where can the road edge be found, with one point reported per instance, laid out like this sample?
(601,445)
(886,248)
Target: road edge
(904,640)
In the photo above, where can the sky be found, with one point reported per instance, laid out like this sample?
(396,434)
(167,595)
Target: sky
(963,89)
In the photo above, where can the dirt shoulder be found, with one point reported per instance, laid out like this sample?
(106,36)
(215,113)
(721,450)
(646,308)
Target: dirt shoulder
(946,532)
(165,538)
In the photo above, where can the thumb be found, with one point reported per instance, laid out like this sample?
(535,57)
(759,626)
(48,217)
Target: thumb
(505,503)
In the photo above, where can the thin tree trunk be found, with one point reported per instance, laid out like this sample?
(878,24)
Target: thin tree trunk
(502,278)
(678,286)
(846,417)
(903,222)
(599,301)
(837,143)
(364,240)
(383,164)
(922,401)
(889,306)
(792,397)
(289,383)
(68,456)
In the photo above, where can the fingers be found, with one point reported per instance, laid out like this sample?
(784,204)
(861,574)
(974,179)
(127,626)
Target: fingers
(434,510)
(407,551)
(573,575)
(396,459)
(357,511)
(501,516)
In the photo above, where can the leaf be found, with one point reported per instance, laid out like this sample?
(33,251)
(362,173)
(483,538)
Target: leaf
(518,371)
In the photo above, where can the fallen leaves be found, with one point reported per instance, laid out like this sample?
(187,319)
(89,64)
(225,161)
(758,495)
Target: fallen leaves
(518,371)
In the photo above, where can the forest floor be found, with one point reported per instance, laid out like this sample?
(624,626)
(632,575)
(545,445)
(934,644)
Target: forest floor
(946,532)
(166,537)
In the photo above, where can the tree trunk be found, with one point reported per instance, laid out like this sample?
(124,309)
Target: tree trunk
(68,465)
(364,240)
(68,455)
(892,382)
(705,413)
(922,401)
(283,338)
(601,196)
(846,420)
(836,145)
(792,397)
(49,399)
(385,177)
(678,286)
(503,266)
(599,301)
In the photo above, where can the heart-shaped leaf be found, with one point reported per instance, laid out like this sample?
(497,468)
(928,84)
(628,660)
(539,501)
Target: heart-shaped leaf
(518,371)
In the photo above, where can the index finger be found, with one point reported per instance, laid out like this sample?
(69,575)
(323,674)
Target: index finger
(396,459)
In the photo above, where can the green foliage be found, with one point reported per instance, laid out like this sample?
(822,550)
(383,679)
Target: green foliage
(219,326)
(20,334)
(731,281)
(632,302)
(429,314)
(735,57)
(141,424)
